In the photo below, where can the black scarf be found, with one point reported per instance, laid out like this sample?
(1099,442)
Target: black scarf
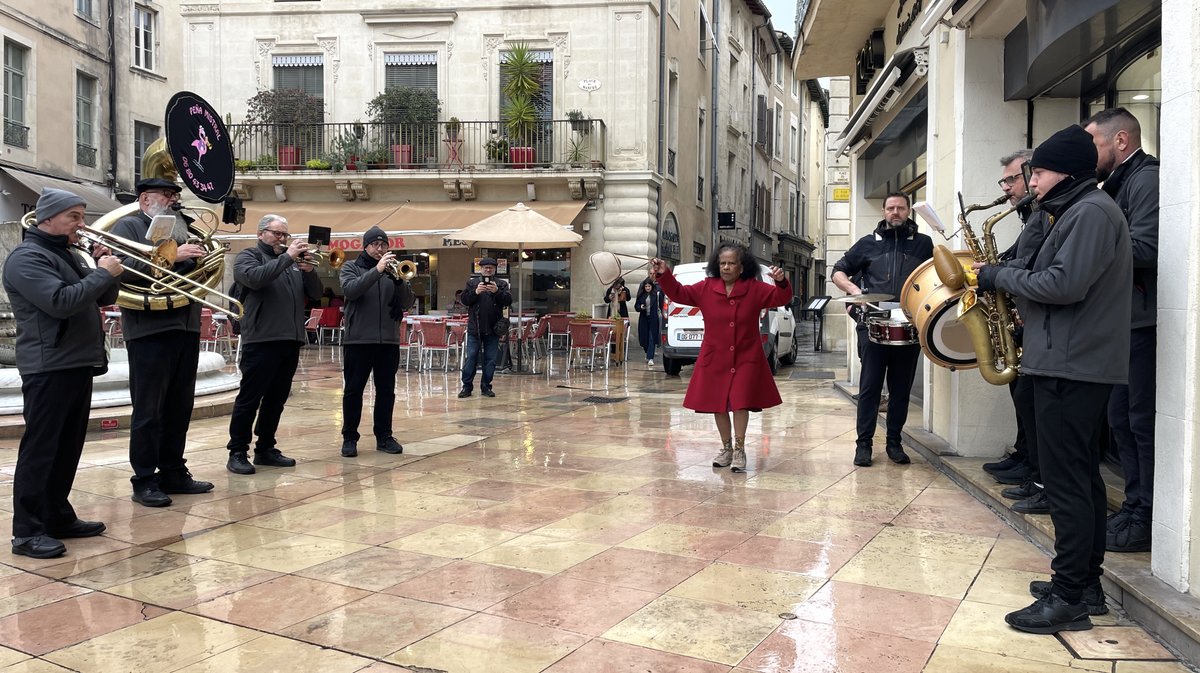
(57,245)
(400,297)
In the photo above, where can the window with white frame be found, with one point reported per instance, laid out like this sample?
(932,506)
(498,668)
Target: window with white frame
(778,147)
(776,202)
(794,146)
(144,28)
(84,8)
(415,70)
(85,119)
(704,32)
(672,123)
(795,88)
(700,159)
(143,136)
(305,72)
(779,69)
(16,62)
(792,214)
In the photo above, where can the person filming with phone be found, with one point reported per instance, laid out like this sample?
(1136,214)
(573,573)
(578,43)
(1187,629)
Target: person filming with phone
(485,298)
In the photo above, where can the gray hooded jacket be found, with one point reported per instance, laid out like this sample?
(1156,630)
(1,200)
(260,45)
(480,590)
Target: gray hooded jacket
(1076,290)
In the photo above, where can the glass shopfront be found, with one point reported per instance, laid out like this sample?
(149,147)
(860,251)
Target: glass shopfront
(545,278)
(1137,88)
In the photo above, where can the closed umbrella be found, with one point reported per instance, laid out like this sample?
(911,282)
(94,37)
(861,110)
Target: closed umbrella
(522,228)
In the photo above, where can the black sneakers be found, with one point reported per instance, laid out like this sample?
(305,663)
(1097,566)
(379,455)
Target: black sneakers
(897,455)
(1093,596)
(150,496)
(862,456)
(1050,614)
(183,483)
(390,445)
(238,464)
(273,458)
(1034,504)
(487,393)
(349,448)
(1027,489)
(1008,463)
(1014,477)
(464,393)
(1130,535)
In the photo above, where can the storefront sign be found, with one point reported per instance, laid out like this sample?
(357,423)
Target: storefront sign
(668,242)
(906,22)
(870,59)
(353,244)
(841,193)
(727,220)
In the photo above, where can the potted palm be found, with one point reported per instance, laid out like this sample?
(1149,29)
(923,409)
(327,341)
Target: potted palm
(293,116)
(522,98)
(452,126)
(408,116)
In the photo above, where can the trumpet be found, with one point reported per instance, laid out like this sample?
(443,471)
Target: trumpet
(162,279)
(401,269)
(334,259)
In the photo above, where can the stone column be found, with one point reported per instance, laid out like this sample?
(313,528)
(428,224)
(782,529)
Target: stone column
(1176,552)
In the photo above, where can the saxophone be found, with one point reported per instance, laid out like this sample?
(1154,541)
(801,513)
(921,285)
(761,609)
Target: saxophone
(988,317)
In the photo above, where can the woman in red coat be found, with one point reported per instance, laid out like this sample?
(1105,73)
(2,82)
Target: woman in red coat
(732,377)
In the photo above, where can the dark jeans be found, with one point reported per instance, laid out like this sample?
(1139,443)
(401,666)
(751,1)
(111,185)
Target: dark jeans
(162,385)
(648,334)
(361,361)
(491,344)
(896,364)
(1131,418)
(267,371)
(1070,463)
(56,418)
(1026,446)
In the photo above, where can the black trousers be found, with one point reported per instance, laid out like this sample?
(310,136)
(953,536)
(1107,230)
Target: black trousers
(360,361)
(1131,419)
(1070,453)
(898,366)
(1026,446)
(56,418)
(162,385)
(267,371)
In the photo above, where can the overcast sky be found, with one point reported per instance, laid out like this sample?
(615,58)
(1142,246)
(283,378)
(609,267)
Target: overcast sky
(783,15)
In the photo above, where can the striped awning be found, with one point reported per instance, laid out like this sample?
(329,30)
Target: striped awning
(296,60)
(423,58)
(536,55)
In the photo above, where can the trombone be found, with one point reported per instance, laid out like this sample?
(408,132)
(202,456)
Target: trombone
(160,258)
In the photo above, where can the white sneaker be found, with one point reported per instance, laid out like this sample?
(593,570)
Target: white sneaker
(649,364)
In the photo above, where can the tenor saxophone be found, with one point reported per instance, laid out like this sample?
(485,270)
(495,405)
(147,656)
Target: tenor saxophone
(987,316)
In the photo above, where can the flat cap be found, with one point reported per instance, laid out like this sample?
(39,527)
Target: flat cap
(148,184)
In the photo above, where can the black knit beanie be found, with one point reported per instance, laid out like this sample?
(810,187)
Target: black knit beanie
(1070,151)
(374,234)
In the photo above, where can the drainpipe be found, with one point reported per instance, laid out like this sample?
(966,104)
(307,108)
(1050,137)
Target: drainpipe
(753,130)
(662,121)
(112,97)
(716,101)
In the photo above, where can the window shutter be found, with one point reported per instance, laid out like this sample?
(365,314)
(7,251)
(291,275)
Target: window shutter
(760,119)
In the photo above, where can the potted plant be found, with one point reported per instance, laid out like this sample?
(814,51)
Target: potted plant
(579,123)
(496,148)
(243,165)
(317,165)
(522,99)
(349,147)
(408,116)
(336,161)
(269,162)
(577,152)
(378,157)
(452,126)
(293,115)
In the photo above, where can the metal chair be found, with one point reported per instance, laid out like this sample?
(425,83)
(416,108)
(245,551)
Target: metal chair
(581,340)
(313,324)
(559,327)
(408,342)
(434,339)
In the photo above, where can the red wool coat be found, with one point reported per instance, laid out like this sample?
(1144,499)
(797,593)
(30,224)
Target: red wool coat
(732,371)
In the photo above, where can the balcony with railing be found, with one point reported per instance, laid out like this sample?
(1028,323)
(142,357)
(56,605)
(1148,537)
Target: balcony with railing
(562,145)
(16,135)
(85,155)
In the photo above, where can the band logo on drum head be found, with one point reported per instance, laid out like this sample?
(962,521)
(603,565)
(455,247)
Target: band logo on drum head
(200,146)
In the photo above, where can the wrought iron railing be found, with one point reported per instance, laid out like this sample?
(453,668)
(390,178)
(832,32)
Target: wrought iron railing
(16,134)
(85,155)
(482,145)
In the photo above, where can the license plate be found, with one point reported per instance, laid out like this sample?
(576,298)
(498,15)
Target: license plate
(691,335)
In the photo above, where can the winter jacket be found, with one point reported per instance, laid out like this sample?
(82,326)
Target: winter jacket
(886,258)
(56,305)
(1024,250)
(1076,290)
(136,324)
(485,309)
(1134,186)
(368,306)
(274,289)
(732,371)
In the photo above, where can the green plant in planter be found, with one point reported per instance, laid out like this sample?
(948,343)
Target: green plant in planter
(379,157)
(496,148)
(577,152)
(243,165)
(292,115)
(336,161)
(583,315)
(317,165)
(409,116)
(267,161)
(579,122)
(522,94)
(452,126)
(347,146)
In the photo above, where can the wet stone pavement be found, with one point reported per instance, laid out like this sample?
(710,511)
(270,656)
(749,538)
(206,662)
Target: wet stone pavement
(538,531)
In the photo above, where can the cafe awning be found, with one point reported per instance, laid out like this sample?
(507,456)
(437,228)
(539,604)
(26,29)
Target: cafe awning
(98,200)
(412,224)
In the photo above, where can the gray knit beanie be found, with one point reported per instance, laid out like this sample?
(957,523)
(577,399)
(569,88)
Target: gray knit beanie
(54,201)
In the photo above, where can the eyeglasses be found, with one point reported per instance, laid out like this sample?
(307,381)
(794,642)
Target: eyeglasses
(278,233)
(1009,181)
(378,244)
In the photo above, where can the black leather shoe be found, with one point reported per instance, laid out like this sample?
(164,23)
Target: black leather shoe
(1093,596)
(77,528)
(273,458)
(150,496)
(39,546)
(1118,520)
(464,393)
(1037,504)
(1026,490)
(862,456)
(1134,536)
(1015,476)
(1008,463)
(349,448)
(184,484)
(897,455)
(487,393)
(238,464)
(1050,614)
(390,445)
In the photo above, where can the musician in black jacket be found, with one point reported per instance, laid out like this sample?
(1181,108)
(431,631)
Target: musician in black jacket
(60,347)
(485,298)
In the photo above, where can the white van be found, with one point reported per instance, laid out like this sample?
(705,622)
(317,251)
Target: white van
(683,331)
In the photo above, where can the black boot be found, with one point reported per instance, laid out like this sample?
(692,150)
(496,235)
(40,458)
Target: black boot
(349,448)
(862,455)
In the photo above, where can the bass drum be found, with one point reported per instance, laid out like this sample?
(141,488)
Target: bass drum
(933,309)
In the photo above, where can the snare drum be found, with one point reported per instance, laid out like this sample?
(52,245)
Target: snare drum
(884,330)
(933,308)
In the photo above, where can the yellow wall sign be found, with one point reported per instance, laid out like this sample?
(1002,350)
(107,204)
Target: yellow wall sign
(841,193)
